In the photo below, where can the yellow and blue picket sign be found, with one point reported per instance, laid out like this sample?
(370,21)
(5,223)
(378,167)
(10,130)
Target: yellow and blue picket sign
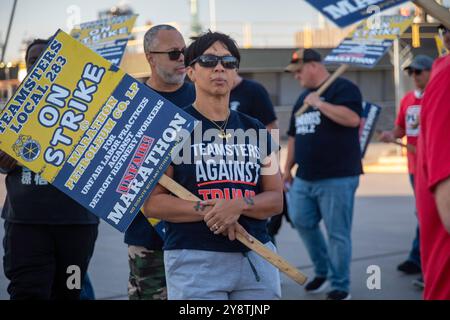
(442,50)
(91,130)
(107,37)
(158,225)
(367,44)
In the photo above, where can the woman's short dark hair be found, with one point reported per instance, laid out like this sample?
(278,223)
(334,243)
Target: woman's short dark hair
(206,40)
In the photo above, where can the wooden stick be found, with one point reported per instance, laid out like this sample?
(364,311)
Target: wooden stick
(256,245)
(408,146)
(339,71)
(435,10)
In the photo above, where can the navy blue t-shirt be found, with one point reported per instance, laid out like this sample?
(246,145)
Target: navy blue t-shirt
(214,168)
(252,98)
(140,232)
(323,148)
(30,199)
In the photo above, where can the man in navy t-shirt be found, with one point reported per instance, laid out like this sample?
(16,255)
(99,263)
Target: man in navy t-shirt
(251,98)
(229,164)
(324,143)
(164,48)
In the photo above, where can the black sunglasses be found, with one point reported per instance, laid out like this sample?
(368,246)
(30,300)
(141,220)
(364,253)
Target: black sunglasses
(414,71)
(173,55)
(211,61)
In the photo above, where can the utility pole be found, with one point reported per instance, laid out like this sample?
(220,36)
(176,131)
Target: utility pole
(1,43)
(247,31)
(212,15)
(11,18)
(196,28)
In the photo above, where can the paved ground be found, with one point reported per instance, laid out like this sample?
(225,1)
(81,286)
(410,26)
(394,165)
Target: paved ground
(383,229)
(382,234)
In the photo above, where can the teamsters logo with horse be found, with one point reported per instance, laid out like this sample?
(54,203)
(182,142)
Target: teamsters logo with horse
(27,148)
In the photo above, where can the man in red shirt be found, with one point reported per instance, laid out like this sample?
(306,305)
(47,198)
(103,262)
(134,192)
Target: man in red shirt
(407,123)
(433,182)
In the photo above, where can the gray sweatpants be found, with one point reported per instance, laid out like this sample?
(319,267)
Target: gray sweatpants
(209,275)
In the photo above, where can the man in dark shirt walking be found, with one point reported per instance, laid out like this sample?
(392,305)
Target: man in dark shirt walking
(164,48)
(251,98)
(324,143)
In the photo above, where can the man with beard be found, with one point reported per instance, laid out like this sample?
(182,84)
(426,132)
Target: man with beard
(324,143)
(164,49)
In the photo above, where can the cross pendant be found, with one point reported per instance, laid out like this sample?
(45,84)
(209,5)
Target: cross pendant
(224,135)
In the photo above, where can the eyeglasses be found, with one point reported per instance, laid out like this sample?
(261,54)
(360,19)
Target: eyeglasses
(211,61)
(414,71)
(173,55)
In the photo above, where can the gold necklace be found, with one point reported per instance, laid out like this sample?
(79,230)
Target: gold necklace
(222,134)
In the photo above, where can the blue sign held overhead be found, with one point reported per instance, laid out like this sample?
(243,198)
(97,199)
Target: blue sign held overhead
(347,12)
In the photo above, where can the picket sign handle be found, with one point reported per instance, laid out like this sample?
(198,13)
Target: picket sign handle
(256,245)
(339,71)
(408,146)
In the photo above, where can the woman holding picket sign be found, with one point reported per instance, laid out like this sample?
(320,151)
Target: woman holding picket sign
(229,164)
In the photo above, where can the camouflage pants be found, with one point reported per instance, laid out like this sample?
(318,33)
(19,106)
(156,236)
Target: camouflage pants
(147,279)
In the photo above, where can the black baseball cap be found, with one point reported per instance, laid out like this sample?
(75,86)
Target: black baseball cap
(301,56)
